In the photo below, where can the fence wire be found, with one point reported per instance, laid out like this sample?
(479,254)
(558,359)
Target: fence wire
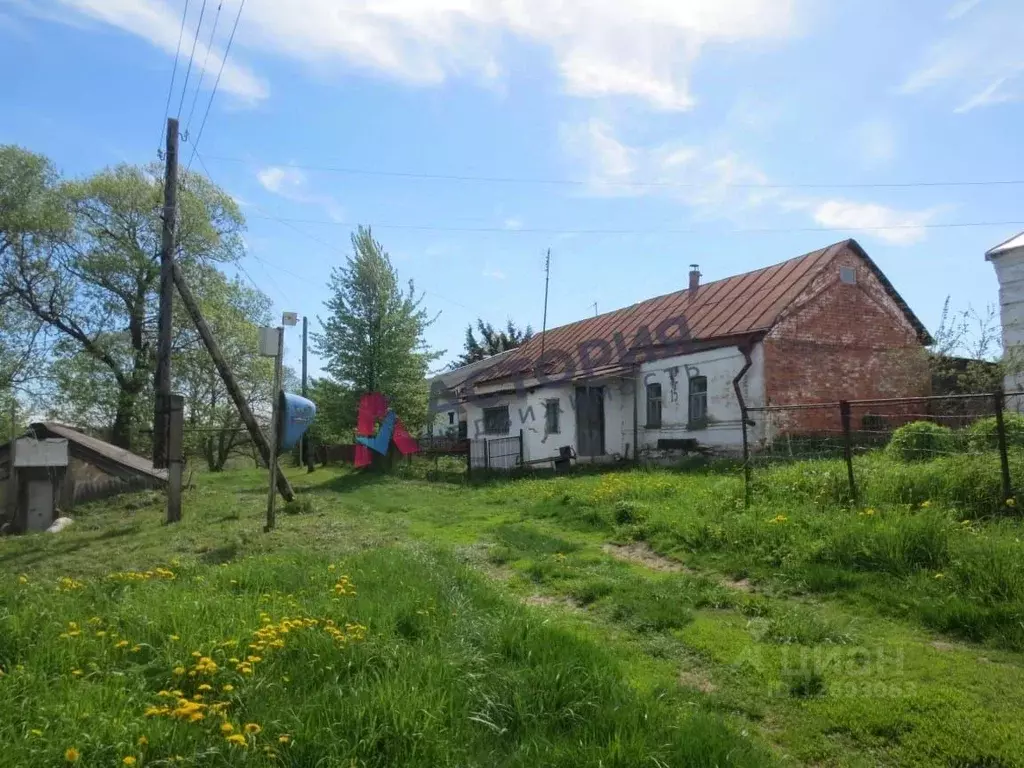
(911,429)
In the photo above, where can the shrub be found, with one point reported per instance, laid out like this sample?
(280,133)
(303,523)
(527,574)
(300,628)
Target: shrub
(919,441)
(628,512)
(983,434)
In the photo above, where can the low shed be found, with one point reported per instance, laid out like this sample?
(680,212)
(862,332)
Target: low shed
(95,469)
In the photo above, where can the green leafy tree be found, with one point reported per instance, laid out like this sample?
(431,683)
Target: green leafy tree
(373,335)
(491,342)
(93,287)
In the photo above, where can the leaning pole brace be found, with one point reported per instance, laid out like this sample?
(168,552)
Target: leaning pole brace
(244,411)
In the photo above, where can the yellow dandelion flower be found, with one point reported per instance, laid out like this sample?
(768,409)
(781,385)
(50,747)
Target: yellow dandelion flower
(122,644)
(36,732)
(71,755)
(136,648)
(228,688)
(143,741)
(232,660)
(23,579)
(179,670)
(940,575)
(174,638)
(331,567)
(195,717)
(238,739)
(284,738)
(253,659)
(925,504)
(226,728)
(76,672)
(205,687)
(101,633)
(1011,502)
(128,760)
(252,728)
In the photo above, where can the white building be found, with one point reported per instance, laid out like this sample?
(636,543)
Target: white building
(1008,260)
(674,373)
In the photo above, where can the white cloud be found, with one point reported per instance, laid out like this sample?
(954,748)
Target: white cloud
(494,274)
(513,222)
(893,226)
(281,180)
(980,63)
(292,184)
(875,141)
(644,49)
(159,23)
(715,182)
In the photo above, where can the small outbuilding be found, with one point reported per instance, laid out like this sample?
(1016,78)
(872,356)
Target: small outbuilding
(53,467)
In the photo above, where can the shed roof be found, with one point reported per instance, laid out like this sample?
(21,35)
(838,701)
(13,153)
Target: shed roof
(109,458)
(719,311)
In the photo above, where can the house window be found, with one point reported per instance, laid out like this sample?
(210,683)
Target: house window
(496,421)
(848,275)
(551,411)
(451,417)
(653,406)
(698,402)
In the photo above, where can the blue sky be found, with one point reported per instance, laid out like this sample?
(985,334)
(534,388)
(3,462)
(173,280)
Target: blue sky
(631,139)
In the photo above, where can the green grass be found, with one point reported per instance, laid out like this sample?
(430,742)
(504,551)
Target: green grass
(502,629)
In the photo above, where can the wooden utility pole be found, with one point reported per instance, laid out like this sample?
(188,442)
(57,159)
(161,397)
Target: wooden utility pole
(175,456)
(258,438)
(275,416)
(304,452)
(162,382)
(544,324)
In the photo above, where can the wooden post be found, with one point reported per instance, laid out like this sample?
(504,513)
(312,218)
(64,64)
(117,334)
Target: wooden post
(636,416)
(487,458)
(274,437)
(1004,459)
(305,455)
(162,379)
(844,415)
(521,449)
(258,438)
(175,457)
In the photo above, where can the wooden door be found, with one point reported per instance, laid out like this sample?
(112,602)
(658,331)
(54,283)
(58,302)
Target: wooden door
(590,421)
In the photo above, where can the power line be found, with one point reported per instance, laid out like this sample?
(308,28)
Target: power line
(192,56)
(170,88)
(651,231)
(202,74)
(640,184)
(223,61)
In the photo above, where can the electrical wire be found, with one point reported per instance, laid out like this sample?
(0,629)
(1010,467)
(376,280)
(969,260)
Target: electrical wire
(648,231)
(202,74)
(638,184)
(206,114)
(188,71)
(170,88)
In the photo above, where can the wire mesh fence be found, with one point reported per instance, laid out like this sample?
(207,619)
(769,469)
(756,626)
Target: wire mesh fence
(987,426)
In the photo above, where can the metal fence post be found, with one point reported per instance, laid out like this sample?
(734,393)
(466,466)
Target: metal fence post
(844,415)
(521,457)
(746,458)
(487,457)
(1004,460)
(469,459)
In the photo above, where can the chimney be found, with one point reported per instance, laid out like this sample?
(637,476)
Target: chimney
(694,277)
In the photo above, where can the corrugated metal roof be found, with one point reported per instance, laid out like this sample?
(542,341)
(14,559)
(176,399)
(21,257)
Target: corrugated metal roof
(732,307)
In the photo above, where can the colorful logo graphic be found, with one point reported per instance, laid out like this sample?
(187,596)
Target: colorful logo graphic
(374,406)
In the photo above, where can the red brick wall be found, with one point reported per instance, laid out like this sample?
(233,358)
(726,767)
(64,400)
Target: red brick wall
(841,342)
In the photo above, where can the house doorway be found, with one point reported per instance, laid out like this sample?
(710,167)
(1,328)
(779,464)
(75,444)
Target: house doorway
(590,421)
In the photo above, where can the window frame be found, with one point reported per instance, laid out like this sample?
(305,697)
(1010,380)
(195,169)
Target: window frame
(451,418)
(652,400)
(507,424)
(702,422)
(556,403)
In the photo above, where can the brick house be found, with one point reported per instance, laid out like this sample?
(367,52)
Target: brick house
(673,371)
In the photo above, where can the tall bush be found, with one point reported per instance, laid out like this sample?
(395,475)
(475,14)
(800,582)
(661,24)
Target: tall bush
(920,441)
(983,435)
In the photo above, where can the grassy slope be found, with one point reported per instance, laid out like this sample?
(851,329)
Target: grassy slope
(827,661)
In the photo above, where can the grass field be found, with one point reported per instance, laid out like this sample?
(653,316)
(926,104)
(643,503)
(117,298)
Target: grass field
(618,619)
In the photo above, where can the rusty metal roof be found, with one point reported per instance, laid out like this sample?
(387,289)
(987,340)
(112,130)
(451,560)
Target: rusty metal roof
(722,310)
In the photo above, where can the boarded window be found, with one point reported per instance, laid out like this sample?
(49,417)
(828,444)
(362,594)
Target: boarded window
(698,402)
(653,406)
(496,421)
(551,411)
